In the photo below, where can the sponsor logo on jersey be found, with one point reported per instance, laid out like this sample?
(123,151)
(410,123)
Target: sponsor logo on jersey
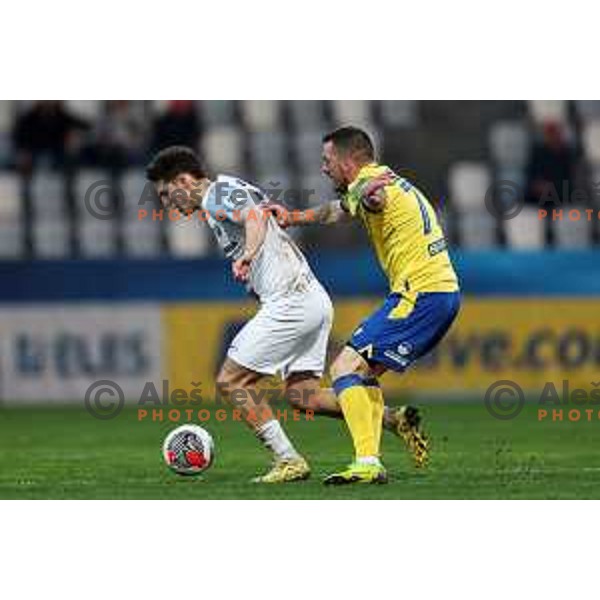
(437,246)
(404,348)
(403,362)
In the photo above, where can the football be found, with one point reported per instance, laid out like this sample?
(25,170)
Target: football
(189,450)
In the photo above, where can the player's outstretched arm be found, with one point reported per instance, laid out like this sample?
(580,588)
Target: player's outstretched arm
(325,214)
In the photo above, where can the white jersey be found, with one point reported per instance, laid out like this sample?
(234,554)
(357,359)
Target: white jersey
(279,265)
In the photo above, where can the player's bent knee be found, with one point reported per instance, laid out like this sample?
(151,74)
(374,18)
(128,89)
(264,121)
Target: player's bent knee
(349,361)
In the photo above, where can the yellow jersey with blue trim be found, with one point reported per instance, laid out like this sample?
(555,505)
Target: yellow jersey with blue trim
(405,233)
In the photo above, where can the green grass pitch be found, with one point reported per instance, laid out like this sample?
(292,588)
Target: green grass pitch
(64,453)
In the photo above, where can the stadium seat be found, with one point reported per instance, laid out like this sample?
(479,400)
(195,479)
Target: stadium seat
(526,231)
(188,239)
(88,110)
(6,150)
(48,194)
(6,116)
(268,152)
(476,229)
(141,233)
(591,142)
(352,112)
(10,199)
(307,115)
(11,239)
(513,174)
(548,110)
(261,115)
(137,193)
(95,186)
(398,113)
(587,109)
(572,234)
(222,147)
(142,238)
(307,149)
(97,239)
(594,183)
(509,144)
(11,217)
(51,238)
(217,113)
(468,183)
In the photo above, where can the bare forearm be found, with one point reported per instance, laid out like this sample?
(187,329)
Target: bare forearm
(325,214)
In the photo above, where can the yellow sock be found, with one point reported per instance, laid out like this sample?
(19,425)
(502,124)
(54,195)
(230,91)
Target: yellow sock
(358,412)
(377,406)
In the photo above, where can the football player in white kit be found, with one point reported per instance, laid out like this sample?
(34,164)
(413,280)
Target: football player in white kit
(289,333)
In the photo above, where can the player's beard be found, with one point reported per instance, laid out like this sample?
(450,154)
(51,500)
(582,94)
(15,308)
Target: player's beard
(341,188)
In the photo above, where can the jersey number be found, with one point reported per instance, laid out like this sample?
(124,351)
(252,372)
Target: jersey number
(408,187)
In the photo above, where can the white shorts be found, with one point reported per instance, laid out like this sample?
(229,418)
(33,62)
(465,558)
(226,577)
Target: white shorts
(289,334)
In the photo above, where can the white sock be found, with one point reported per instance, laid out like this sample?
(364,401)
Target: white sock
(272,435)
(368,460)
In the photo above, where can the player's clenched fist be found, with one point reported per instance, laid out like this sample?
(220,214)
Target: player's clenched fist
(241,269)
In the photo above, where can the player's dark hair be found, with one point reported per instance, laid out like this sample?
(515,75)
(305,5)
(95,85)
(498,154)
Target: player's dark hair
(351,140)
(172,161)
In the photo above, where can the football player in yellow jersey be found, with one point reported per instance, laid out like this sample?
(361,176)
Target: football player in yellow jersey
(423,298)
